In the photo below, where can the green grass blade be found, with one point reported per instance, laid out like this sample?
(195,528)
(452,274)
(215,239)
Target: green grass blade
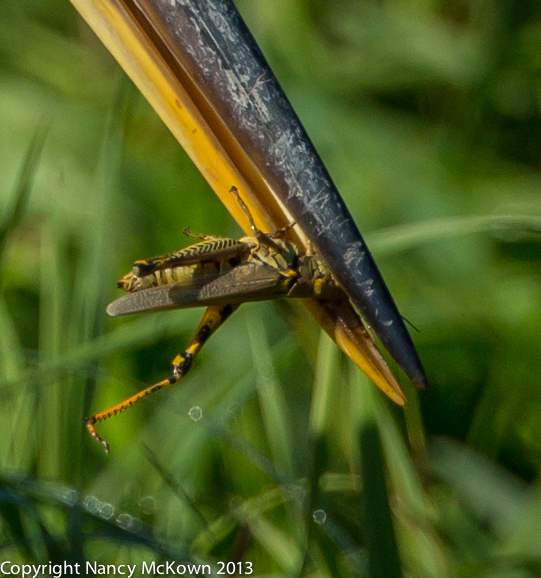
(325,383)
(15,211)
(378,525)
(271,398)
(396,239)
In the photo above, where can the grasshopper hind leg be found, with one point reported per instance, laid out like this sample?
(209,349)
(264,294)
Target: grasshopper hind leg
(213,318)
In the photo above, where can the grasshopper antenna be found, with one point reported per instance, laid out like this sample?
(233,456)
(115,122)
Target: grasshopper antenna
(263,238)
(246,210)
(410,324)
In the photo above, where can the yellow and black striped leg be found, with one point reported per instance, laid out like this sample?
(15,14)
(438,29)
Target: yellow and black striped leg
(213,318)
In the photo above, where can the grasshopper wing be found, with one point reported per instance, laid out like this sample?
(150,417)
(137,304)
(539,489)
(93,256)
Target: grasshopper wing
(248,282)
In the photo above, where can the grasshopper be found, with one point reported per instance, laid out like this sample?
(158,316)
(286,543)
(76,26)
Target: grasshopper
(220,274)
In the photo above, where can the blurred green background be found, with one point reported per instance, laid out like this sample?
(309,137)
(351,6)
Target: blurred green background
(426,113)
